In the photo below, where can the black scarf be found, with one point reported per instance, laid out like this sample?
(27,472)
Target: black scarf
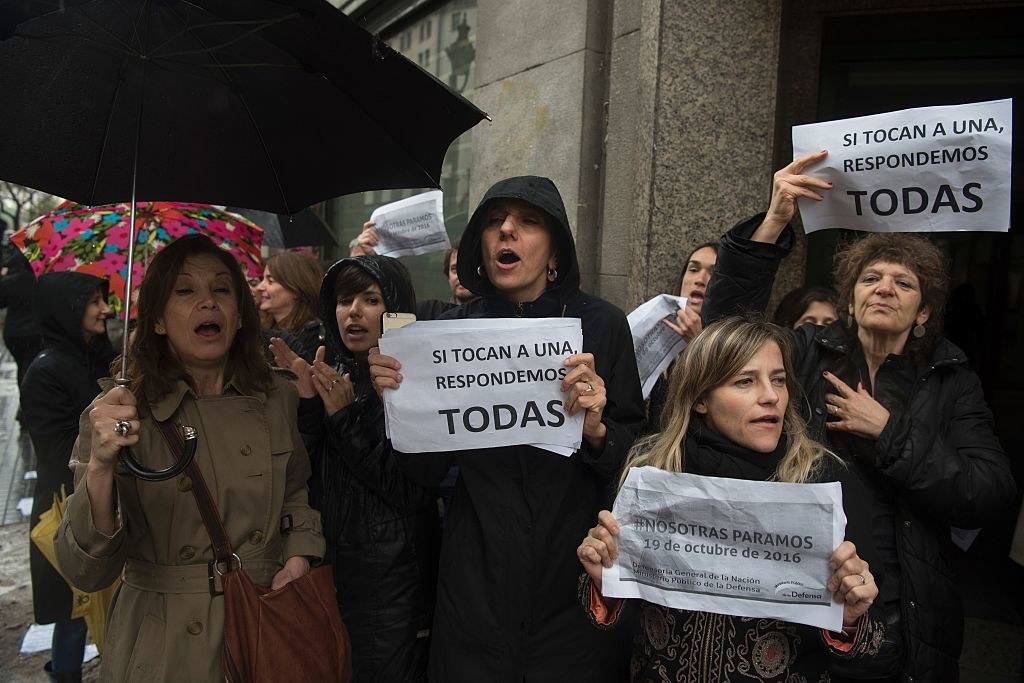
(709,453)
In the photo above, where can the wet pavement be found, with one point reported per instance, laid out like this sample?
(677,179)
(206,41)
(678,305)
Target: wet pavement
(16,456)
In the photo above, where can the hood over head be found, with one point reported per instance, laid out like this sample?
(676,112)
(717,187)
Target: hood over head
(59,303)
(395,284)
(541,193)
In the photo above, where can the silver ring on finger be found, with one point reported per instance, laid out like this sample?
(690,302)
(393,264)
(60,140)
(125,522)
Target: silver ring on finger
(863,579)
(590,388)
(122,427)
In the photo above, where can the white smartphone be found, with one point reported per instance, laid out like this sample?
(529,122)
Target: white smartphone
(392,321)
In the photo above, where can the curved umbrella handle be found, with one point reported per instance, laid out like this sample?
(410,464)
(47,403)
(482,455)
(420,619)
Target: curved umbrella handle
(188,451)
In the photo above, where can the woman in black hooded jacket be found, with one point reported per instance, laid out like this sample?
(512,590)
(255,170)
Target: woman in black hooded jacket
(71,309)
(506,606)
(382,528)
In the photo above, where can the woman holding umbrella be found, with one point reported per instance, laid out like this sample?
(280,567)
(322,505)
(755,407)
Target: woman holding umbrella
(195,359)
(72,310)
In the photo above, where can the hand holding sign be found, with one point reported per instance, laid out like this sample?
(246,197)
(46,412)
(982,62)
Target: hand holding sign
(586,392)
(687,323)
(414,225)
(851,583)
(599,549)
(788,185)
(384,371)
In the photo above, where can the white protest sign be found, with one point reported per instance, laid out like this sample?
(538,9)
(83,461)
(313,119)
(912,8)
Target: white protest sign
(916,170)
(655,343)
(482,383)
(414,225)
(729,546)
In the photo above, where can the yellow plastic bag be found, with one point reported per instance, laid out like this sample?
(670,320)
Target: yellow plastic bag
(90,606)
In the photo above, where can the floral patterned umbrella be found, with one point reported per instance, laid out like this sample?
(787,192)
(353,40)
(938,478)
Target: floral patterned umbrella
(94,239)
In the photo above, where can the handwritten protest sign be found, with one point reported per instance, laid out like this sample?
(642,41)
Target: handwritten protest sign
(916,170)
(745,548)
(414,225)
(481,384)
(654,342)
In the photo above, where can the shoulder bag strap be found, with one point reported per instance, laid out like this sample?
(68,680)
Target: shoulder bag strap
(207,507)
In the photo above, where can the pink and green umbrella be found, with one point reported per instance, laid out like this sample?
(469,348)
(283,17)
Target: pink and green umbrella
(94,239)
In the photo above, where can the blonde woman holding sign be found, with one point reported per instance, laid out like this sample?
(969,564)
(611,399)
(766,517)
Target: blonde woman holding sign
(730,416)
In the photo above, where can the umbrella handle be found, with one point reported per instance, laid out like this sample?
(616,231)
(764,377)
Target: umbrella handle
(188,451)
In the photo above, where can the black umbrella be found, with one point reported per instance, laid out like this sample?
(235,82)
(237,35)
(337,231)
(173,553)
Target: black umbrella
(265,104)
(255,103)
(304,229)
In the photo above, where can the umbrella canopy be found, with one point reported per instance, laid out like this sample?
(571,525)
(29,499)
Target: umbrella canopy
(94,239)
(304,229)
(265,104)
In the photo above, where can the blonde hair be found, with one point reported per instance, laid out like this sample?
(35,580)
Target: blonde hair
(717,354)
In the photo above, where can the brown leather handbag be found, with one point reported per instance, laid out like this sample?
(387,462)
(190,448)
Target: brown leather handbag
(295,632)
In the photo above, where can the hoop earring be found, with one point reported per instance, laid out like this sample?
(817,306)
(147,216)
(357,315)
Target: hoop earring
(552,274)
(479,271)
(918,331)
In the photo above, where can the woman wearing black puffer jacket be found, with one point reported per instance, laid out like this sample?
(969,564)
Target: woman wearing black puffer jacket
(71,309)
(382,528)
(896,400)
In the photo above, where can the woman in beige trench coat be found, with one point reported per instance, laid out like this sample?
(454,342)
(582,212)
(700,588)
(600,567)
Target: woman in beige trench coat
(195,359)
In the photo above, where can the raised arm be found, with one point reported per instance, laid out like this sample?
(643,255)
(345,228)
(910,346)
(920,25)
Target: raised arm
(749,254)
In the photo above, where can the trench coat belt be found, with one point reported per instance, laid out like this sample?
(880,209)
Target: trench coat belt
(187,578)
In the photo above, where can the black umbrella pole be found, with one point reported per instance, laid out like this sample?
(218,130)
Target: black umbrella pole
(188,448)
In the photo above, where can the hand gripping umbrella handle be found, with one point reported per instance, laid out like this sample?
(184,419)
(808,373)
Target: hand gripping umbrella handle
(188,451)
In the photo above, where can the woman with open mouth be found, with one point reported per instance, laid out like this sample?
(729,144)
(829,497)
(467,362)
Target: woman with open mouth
(692,284)
(195,359)
(507,608)
(382,527)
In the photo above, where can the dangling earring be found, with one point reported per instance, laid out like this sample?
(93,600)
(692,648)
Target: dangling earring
(479,271)
(552,274)
(918,331)
(239,324)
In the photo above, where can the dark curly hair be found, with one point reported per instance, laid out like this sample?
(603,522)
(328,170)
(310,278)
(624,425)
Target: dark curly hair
(911,251)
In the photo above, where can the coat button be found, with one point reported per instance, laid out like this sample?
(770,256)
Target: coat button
(195,627)
(187,552)
(246,450)
(255,537)
(184,483)
(913,605)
